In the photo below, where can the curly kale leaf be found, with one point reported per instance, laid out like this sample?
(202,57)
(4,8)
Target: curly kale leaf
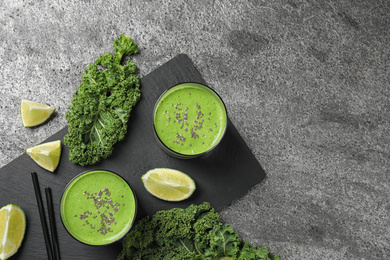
(192,233)
(101,106)
(223,242)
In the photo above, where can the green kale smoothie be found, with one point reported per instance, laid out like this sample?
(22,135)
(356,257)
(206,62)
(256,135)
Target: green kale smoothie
(190,119)
(98,207)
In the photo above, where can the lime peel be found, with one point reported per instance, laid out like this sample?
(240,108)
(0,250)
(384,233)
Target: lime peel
(46,155)
(168,184)
(12,230)
(34,113)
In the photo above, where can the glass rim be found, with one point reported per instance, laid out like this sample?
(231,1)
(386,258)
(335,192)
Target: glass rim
(135,209)
(189,156)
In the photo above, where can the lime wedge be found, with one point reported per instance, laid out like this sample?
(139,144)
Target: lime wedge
(168,184)
(46,155)
(34,114)
(12,229)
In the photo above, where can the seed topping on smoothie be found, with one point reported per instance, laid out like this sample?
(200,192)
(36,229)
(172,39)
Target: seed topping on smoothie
(105,209)
(98,207)
(190,119)
(181,116)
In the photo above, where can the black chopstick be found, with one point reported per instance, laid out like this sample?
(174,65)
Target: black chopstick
(54,237)
(42,215)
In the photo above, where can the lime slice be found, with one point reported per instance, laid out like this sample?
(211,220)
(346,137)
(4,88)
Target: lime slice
(46,155)
(168,184)
(34,114)
(12,229)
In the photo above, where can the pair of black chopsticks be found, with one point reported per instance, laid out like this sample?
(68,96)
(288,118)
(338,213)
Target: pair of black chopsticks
(52,247)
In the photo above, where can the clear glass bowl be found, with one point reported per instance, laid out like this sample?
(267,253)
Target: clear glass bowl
(98,207)
(189,120)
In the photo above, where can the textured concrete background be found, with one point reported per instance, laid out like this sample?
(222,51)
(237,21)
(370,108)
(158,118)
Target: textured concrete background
(306,83)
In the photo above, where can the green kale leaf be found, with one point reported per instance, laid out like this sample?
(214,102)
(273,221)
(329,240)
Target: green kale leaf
(192,233)
(100,109)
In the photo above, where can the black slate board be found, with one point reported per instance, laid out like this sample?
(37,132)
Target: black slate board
(221,176)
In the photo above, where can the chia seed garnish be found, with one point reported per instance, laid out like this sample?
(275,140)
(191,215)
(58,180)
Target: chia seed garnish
(83,216)
(189,128)
(193,134)
(101,199)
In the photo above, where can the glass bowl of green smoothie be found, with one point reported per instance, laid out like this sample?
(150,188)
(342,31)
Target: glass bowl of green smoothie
(190,120)
(98,207)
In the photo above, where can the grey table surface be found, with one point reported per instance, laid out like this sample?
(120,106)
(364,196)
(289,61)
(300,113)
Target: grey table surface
(306,84)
